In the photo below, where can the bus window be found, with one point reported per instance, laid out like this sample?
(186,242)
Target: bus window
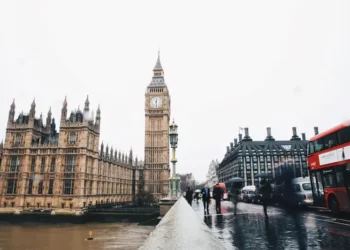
(319,144)
(347,175)
(311,147)
(340,175)
(344,135)
(328,178)
(331,140)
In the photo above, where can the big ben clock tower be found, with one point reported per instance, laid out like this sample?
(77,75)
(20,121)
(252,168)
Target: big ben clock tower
(157,115)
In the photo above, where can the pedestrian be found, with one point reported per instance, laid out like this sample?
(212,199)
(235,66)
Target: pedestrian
(189,195)
(206,198)
(235,196)
(218,194)
(196,196)
(265,190)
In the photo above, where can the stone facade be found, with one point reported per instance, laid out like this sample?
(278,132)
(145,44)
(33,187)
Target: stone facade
(157,115)
(45,169)
(212,177)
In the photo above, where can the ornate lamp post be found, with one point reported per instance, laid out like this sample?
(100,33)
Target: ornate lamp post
(174,180)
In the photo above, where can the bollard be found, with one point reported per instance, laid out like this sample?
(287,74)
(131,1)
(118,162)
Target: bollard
(90,236)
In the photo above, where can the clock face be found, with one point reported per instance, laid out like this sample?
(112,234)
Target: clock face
(156,102)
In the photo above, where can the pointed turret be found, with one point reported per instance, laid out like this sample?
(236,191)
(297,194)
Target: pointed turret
(48,120)
(119,157)
(107,150)
(87,103)
(101,151)
(136,161)
(111,154)
(32,110)
(12,112)
(53,128)
(64,110)
(98,116)
(41,120)
(130,158)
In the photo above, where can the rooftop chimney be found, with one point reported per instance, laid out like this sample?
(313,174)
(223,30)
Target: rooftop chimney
(303,136)
(316,130)
(246,132)
(231,145)
(246,135)
(235,141)
(295,137)
(269,136)
(268,129)
(240,137)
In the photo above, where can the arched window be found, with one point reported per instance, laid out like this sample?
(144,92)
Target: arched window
(72,138)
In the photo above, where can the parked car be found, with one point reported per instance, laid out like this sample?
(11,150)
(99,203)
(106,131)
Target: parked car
(303,191)
(256,199)
(248,196)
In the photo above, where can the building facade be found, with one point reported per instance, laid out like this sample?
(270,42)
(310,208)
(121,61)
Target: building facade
(246,158)
(186,180)
(157,116)
(46,169)
(212,177)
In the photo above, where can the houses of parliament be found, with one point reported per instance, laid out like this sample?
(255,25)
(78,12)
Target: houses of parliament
(42,168)
(69,170)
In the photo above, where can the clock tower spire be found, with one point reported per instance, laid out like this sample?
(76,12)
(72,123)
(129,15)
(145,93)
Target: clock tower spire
(157,113)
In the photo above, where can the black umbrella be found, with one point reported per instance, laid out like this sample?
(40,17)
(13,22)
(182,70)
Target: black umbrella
(235,180)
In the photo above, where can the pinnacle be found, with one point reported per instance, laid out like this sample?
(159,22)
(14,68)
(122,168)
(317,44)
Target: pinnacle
(158,65)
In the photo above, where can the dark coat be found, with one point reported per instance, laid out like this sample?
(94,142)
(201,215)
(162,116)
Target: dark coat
(204,197)
(189,195)
(218,193)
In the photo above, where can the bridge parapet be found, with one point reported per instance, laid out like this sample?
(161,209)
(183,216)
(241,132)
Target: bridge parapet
(181,228)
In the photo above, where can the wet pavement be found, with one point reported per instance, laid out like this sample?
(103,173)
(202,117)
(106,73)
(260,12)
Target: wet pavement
(282,230)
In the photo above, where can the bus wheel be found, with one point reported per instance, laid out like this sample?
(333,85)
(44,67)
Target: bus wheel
(333,205)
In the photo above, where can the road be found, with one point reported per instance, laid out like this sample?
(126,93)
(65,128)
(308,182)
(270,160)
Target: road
(282,230)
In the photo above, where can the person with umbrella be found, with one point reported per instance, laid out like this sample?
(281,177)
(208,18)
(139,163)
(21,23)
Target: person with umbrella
(235,187)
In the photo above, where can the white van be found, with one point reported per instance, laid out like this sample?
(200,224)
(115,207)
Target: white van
(246,191)
(302,188)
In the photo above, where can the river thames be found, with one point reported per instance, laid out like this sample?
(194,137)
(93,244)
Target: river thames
(56,237)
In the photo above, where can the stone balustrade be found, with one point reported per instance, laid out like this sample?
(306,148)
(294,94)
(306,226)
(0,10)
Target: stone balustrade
(181,228)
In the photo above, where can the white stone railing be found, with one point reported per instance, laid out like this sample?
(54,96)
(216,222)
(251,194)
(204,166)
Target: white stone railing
(181,228)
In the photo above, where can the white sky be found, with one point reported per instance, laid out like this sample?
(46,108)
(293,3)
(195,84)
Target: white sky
(227,64)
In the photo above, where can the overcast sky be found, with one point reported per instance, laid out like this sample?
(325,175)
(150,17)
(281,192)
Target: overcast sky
(227,64)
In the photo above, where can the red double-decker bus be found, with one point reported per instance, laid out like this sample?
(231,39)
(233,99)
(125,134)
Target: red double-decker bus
(329,165)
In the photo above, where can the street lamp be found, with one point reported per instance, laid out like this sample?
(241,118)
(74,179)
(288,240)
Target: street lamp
(174,180)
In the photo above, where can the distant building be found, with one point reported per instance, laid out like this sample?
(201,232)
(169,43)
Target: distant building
(45,169)
(246,158)
(186,180)
(212,177)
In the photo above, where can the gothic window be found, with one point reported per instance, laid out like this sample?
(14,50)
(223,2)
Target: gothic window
(40,187)
(32,168)
(50,191)
(14,164)
(18,140)
(68,186)
(72,138)
(53,164)
(42,169)
(11,186)
(70,164)
(30,186)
